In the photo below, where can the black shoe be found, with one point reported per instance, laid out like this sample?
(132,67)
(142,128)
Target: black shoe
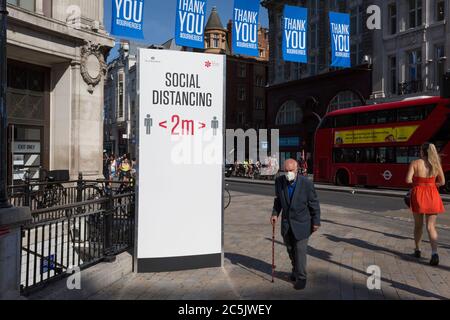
(300,285)
(434,260)
(417,254)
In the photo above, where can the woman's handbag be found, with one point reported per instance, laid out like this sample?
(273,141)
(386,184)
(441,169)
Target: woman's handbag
(407,199)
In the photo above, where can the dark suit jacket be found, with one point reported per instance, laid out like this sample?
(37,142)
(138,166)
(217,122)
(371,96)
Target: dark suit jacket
(302,212)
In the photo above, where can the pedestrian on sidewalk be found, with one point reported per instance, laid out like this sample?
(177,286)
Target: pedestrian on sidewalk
(426,175)
(297,200)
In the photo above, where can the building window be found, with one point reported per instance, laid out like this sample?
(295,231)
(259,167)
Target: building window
(241,118)
(313,36)
(313,65)
(290,113)
(355,20)
(440,10)
(242,70)
(393,18)
(287,70)
(25,4)
(393,75)
(413,82)
(215,41)
(133,107)
(415,65)
(345,100)
(259,104)
(242,94)
(415,13)
(120,97)
(259,81)
(262,53)
(440,64)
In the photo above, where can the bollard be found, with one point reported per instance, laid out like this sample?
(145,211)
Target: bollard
(80,192)
(27,199)
(108,228)
(80,187)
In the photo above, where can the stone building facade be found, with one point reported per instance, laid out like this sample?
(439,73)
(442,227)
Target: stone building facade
(56,67)
(411,51)
(121,101)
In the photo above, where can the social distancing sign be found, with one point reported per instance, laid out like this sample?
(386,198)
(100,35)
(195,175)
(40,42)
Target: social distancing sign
(180,161)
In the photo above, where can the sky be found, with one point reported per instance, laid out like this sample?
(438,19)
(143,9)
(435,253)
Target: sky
(159,19)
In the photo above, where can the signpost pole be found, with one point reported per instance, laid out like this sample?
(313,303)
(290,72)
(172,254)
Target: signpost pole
(4,203)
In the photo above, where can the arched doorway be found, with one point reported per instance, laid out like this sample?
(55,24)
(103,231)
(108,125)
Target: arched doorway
(289,114)
(289,118)
(345,99)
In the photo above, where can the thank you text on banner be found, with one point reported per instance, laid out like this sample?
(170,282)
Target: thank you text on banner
(295,28)
(245,27)
(128,18)
(190,22)
(340,39)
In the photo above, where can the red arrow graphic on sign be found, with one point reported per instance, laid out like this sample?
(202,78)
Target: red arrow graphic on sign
(202,125)
(163,124)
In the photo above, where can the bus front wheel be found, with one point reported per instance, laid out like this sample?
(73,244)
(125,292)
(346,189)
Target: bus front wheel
(342,178)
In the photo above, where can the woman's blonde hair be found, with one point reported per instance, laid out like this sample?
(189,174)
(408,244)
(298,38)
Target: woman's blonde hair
(432,156)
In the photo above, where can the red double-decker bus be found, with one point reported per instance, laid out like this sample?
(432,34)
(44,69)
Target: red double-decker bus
(373,145)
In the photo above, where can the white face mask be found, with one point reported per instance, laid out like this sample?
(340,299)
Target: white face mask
(290,176)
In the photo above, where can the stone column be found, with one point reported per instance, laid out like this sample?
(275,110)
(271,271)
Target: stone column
(447,33)
(40,6)
(11,221)
(378,58)
(75,129)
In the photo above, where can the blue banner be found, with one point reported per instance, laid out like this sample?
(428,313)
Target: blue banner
(340,39)
(190,23)
(295,29)
(128,18)
(245,27)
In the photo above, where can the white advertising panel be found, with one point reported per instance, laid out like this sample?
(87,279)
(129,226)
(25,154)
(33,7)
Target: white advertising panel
(180,161)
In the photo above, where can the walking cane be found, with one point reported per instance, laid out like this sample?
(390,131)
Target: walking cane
(273,251)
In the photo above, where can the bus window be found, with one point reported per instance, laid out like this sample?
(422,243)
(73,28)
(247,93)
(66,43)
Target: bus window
(365,119)
(402,155)
(347,120)
(385,116)
(415,113)
(409,114)
(344,156)
(413,153)
(386,155)
(365,155)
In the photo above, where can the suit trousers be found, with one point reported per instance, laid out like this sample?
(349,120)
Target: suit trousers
(297,253)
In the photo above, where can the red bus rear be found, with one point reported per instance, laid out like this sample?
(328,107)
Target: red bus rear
(373,145)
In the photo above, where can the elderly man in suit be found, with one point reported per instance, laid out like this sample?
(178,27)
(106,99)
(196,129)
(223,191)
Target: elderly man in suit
(297,200)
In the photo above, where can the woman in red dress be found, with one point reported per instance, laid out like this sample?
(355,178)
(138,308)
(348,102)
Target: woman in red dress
(427,176)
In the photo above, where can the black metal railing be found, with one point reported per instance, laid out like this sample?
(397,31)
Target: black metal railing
(43,195)
(75,235)
(410,87)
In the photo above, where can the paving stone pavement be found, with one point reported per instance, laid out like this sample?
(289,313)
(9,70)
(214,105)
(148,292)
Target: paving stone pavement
(338,256)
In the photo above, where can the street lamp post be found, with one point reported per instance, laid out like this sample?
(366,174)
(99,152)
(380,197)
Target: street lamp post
(4,203)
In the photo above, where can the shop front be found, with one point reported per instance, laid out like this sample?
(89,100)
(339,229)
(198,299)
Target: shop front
(28,102)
